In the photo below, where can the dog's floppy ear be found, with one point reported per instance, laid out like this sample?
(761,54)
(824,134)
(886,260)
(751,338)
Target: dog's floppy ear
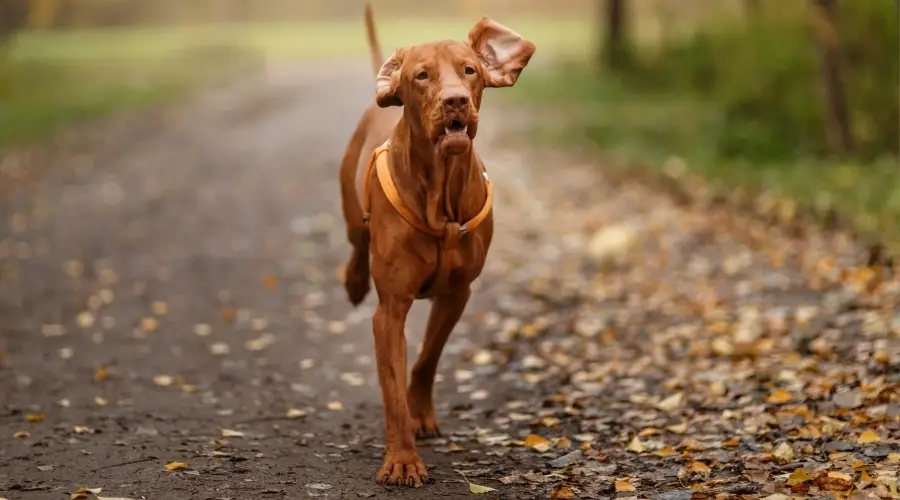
(387,83)
(503,52)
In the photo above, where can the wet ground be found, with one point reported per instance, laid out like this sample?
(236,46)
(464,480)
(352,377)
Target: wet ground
(170,300)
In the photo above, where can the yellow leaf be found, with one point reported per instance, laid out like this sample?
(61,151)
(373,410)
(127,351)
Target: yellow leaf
(270,281)
(477,488)
(533,440)
(868,437)
(636,445)
(699,467)
(783,452)
(666,451)
(35,417)
(894,457)
(176,466)
(677,428)
(799,476)
(21,435)
(671,402)
(149,324)
(649,431)
(295,413)
(779,396)
(840,475)
(564,443)
(101,374)
(625,485)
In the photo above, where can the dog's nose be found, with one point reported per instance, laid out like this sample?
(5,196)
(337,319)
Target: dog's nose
(455,101)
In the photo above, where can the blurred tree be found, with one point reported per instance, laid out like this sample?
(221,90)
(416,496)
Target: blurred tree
(42,13)
(616,49)
(838,131)
(13,17)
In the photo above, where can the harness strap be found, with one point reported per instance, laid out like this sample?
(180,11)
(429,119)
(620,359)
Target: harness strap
(449,235)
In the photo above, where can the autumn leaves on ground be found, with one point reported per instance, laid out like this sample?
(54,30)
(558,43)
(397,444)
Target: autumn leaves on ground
(173,326)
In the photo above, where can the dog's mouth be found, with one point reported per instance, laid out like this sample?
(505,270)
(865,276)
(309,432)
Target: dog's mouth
(456,138)
(456,127)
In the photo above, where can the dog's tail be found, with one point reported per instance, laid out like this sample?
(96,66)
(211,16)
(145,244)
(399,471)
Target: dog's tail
(374,47)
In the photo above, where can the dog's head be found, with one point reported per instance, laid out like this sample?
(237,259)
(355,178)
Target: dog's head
(440,84)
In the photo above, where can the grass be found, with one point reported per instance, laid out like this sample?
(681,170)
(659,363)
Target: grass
(52,79)
(639,126)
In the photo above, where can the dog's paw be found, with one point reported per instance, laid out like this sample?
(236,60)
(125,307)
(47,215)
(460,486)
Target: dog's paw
(426,427)
(403,469)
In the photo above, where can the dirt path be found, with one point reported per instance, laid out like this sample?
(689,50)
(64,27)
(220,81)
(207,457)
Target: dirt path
(169,294)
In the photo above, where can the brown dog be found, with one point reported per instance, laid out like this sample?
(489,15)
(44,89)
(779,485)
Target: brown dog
(415,192)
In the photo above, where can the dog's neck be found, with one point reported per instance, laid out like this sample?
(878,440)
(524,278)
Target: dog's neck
(442,188)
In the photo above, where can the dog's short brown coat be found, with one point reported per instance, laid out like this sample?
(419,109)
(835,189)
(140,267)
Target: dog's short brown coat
(427,102)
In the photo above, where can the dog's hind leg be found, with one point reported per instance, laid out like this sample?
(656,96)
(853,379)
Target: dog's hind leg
(356,272)
(445,313)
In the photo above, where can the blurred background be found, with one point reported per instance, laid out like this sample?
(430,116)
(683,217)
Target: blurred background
(796,98)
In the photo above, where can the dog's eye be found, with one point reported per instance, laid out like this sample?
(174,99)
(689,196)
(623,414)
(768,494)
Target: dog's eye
(422,75)
(470,70)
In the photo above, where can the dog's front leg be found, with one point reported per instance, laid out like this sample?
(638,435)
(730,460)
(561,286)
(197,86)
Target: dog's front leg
(402,465)
(445,313)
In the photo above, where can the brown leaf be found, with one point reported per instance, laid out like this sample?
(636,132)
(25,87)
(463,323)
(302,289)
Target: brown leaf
(537,442)
(699,467)
(665,451)
(562,493)
(270,281)
(830,482)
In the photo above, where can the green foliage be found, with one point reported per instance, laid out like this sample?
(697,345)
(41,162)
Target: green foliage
(763,76)
(741,104)
(39,96)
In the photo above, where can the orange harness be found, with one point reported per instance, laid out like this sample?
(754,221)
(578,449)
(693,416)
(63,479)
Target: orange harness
(449,235)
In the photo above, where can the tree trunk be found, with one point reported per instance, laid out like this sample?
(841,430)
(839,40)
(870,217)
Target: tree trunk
(616,52)
(838,131)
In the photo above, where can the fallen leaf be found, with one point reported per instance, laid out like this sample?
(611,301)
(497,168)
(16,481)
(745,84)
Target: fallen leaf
(562,493)
(228,433)
(665,451)
(35,417)
(163,380)
(22,435)
(779,396)
(868,437)
(100,374)
(100,401)
(219,348)
(149,324)
(295,413)
(625,485)
(202,329)
(270,281)
(478,489)
(160,308)
(636,445)
(699,467)
(783,452)
(671,402)
(533,440)
(799,476)
(175,466)
(677,428)
(335,406)
(45,468)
